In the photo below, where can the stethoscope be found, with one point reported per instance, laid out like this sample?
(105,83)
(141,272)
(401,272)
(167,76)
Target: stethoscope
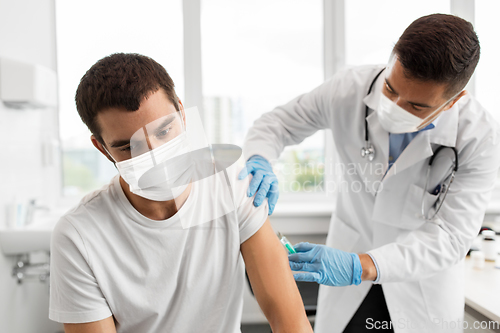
(368,151)
(442,189)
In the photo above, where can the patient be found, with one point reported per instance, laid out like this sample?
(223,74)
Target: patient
(123,260)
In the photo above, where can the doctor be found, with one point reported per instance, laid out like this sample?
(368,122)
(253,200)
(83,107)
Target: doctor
(394,255)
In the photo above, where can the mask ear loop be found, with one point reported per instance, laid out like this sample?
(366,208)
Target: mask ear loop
(103,146)
(427,122)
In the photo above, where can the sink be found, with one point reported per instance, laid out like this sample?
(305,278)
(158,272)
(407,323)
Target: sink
(34,237)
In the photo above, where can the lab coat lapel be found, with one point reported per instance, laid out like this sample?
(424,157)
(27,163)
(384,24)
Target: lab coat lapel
(418,149)
(444,133)
(379,138)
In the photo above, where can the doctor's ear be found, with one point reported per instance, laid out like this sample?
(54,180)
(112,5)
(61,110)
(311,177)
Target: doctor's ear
(462,93)
(100,147)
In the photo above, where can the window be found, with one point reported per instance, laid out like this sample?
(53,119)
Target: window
(487,71)
(373,27)
(258,55)
(88,31)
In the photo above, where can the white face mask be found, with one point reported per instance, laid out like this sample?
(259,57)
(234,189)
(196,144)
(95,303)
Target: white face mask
(395,119)
(160,174)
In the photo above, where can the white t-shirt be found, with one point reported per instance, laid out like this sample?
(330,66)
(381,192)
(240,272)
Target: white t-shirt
(152,276)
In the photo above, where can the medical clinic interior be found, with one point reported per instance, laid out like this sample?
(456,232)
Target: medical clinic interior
(249,166)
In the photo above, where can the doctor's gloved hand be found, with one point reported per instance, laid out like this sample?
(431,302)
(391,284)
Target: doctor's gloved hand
(264,181)
(325,265)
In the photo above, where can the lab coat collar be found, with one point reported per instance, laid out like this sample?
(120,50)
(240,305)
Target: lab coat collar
(446,127)
(378,137)
(372,99)
(444,133)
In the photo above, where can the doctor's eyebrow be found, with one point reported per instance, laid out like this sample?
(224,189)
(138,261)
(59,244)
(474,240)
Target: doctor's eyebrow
(390,87)
(119,143)
(412,103)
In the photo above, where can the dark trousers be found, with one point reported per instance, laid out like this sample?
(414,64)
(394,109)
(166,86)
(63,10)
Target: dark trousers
(371,313)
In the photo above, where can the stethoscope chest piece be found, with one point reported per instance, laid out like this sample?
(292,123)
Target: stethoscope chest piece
(368,152)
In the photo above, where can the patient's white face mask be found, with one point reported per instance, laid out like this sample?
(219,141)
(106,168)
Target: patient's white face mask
(158,174)
(161,174)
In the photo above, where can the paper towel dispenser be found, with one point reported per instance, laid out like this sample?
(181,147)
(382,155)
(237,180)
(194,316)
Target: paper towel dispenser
(27,86)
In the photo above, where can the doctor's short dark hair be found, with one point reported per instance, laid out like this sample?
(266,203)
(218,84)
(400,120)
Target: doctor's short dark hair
(121,80)
(441,48)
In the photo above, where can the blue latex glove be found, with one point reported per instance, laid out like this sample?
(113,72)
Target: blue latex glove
(325,265)
(263,180)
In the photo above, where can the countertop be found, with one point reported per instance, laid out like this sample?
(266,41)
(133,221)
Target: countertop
(482,289)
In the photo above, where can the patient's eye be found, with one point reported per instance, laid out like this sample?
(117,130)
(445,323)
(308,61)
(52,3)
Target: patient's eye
(163,132)
(131,146)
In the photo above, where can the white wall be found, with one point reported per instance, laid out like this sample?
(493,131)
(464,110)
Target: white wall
(27,33)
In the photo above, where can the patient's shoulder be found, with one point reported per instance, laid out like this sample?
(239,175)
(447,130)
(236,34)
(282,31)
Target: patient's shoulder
(93,207)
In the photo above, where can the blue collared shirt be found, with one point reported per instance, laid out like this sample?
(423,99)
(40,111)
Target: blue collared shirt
(398,143)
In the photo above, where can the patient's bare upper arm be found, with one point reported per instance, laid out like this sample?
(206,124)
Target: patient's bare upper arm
(102,326)
(272,281)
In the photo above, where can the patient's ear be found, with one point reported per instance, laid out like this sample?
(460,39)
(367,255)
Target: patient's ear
(100,147)
(181,107)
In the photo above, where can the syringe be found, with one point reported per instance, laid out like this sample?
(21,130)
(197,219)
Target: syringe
(288,246)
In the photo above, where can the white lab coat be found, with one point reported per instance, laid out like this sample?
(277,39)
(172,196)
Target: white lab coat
(421,263)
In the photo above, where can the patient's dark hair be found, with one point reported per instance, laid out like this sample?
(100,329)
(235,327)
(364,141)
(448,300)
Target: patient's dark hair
(121,80)
(440,48)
